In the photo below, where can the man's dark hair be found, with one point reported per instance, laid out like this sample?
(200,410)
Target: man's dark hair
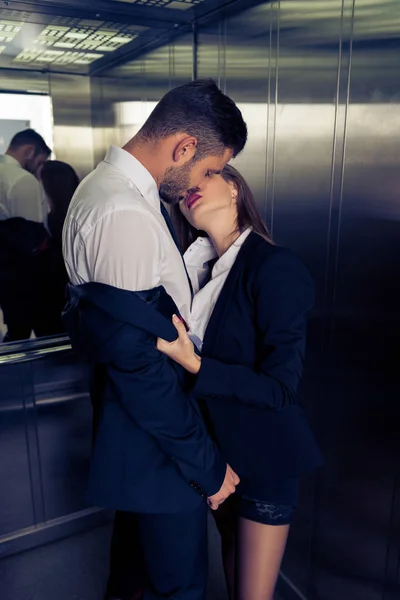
(198,108)
(29,137)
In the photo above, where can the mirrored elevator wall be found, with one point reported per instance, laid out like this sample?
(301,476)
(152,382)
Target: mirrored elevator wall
(319,86)
(72,117)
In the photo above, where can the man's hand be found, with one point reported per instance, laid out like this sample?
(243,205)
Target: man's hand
(228,487)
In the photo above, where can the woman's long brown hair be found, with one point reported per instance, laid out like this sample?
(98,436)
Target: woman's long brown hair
(248,213)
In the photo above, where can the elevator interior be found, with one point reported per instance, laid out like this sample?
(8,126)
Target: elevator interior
(318,82)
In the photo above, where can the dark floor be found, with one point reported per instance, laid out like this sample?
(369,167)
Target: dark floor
(75,569)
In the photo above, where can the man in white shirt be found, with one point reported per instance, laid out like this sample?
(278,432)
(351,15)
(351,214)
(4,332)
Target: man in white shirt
(21,194)
(117,233)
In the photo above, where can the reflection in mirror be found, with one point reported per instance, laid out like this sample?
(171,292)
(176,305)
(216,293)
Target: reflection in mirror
(25,141)
(34,199)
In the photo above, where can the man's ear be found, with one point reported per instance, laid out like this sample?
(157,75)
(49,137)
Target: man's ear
(184,150)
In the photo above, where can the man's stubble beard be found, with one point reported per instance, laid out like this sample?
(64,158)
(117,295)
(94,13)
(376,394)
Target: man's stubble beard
(176,183)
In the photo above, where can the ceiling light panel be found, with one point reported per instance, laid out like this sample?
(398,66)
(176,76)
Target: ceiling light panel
(83,38)
(8,30)
(69,41)
(176,4)
(57,57)
(14,15)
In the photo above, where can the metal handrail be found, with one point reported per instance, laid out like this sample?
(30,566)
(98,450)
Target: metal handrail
(17,352)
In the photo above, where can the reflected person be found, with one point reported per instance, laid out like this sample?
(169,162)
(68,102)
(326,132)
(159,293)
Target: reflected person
(153,460)
(21,194)
(59,181)
(22,234)
(248,320)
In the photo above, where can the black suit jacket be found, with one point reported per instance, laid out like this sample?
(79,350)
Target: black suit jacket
(252,363)
(152,452)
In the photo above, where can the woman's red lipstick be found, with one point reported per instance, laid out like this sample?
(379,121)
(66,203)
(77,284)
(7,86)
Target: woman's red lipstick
(191,200)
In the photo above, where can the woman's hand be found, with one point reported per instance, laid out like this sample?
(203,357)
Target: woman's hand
(182,349)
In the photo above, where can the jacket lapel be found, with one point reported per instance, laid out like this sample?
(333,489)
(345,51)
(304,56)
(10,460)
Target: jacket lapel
(222,304)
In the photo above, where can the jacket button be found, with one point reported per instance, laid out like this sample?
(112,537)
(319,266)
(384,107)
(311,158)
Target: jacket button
(196,487)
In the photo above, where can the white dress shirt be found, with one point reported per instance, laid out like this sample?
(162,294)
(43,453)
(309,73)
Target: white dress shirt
(21,195)
(197,258)
(114,232)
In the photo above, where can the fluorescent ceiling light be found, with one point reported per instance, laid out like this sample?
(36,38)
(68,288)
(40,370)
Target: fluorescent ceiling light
(9,29)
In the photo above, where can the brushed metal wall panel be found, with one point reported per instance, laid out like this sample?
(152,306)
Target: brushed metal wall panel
(22,81)
(16,502)
(318,84)
(73,135)
(64,431)
(45,441)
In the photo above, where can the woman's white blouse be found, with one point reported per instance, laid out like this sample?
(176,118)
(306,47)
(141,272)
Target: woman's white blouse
(207,289)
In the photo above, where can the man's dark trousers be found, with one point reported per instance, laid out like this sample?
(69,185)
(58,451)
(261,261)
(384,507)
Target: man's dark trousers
(165,555)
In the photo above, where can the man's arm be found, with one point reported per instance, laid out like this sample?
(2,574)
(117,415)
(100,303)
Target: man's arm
(126,250)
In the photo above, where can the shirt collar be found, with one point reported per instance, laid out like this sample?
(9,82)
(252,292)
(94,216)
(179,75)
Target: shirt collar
(136,173)
(229,257)
(202,251)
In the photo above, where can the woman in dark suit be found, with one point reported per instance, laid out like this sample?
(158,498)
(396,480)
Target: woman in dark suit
(248,322)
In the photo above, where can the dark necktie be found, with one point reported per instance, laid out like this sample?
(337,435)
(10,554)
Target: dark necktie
(172,231)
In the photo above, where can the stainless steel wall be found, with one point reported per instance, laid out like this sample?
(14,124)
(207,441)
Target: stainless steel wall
(45,444)
(319,85)
(71,97)
(72,112)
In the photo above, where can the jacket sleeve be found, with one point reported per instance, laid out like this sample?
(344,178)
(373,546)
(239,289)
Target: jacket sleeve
(148,387)
(282,296)
(126,250)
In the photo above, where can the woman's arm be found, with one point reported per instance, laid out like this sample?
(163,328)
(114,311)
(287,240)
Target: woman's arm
(284,293)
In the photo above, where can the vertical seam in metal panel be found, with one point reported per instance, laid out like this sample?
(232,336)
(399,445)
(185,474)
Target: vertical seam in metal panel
(194,51)
(331,193)
(173,60)
(36,432)
(92,125)
(170,62)
(28,447)
(276,99)
(219,54)
(334,144)
(224,56)
(343,163)
(144,79)
(103,121)
(268,116)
